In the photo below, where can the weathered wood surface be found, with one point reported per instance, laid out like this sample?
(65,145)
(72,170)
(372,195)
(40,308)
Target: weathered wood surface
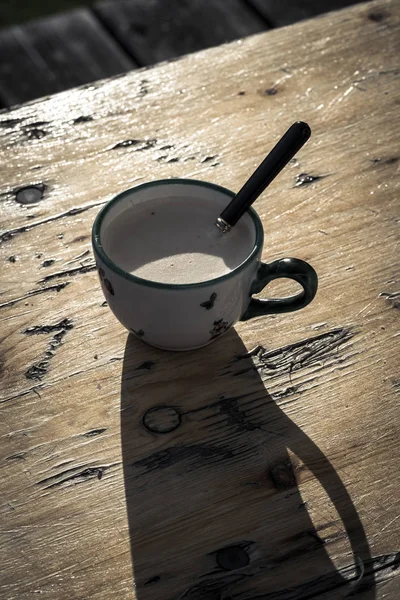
(204,475)
(50,55)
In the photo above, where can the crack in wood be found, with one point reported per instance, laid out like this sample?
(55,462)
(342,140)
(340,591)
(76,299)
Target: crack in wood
(286,393)
(82,119)
(69,272)
(393,298)
(75,475)
(33,389)
(81,254)
(18,456)
(306,179)
(152,580)
(176,454)
(234,414)
(387,160)
(37,329)
(93,432)
(39,369)
(11,123)
(57,288)
(236,417)
(302,354)
(213,588)
(5,236)
(357,578)
(138,145)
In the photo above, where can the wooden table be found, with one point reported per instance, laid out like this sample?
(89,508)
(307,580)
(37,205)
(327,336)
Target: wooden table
(265,466)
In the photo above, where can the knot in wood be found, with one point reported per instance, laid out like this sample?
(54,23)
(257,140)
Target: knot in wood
(162,419)
(282,476)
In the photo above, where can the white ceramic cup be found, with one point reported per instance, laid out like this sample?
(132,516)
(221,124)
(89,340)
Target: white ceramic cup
(189,316)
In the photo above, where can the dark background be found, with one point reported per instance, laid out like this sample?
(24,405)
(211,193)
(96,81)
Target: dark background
(18,11)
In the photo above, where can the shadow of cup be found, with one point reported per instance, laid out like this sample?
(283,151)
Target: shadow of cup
(213,503)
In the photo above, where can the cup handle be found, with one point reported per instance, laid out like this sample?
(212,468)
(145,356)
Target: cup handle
(289,268)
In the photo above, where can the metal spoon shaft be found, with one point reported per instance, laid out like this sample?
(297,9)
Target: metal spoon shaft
(295,137)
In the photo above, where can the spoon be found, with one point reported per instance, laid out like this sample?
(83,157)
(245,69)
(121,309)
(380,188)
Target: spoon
(295,137)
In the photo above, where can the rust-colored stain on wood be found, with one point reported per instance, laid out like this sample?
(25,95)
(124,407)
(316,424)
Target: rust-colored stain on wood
(263,466)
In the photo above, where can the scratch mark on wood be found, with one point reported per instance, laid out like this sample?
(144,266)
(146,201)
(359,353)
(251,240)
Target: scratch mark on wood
(48,262)
(154,579)
(252,352)
(235,415)
(33,389)
(377,16)
(69,272)
(11,123)
(10,233)
(74,475)
(147,365)
(139,145)
(306,179)
(82,119)
(393,298)
(389,160)
(82,254)
(215,588)
(94,432)
(289,391)
(396,384)
(176,454)
(18,456)
(57,288)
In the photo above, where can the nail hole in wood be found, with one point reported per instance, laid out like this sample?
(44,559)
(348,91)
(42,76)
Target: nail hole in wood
(377,16)
(233,557)
(30,194)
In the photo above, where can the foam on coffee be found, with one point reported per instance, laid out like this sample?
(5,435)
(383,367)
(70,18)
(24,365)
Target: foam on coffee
(174,240)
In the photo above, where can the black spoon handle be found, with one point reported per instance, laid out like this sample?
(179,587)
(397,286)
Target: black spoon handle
(295,137)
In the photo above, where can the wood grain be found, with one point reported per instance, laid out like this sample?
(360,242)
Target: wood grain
(261,467)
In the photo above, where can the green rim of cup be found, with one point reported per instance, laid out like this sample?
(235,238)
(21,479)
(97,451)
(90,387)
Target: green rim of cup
(173,286)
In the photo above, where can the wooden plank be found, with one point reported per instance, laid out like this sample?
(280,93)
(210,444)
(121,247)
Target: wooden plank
(315,408)
(286,12)
(158,30)
(56,53)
